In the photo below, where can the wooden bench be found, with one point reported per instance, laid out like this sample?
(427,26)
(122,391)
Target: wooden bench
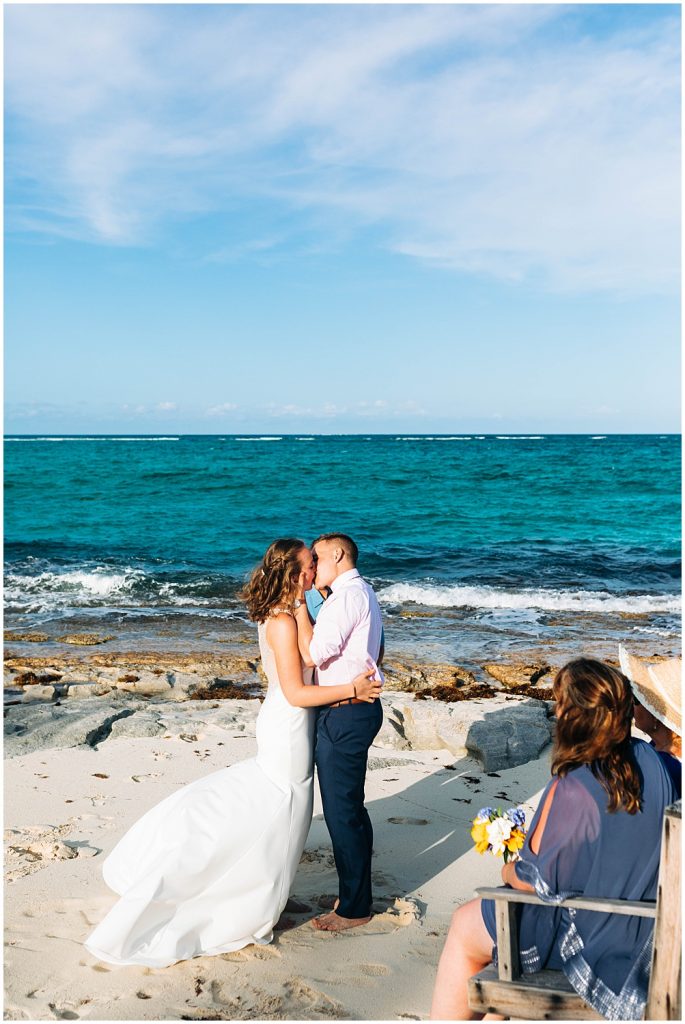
(547,995)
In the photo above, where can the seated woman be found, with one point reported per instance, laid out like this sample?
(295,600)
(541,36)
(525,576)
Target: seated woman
(596,832)
(658,708)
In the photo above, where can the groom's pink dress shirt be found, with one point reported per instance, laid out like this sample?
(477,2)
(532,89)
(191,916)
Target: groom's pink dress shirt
(347,632)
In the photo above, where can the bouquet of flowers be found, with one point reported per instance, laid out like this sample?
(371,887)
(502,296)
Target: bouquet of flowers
(501,832)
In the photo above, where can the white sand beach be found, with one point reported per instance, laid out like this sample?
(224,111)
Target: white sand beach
(66,808)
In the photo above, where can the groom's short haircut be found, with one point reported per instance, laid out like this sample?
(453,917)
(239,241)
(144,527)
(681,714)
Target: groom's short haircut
(344,542)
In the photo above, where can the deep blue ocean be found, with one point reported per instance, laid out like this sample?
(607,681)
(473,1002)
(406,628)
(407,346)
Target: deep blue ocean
(476,544)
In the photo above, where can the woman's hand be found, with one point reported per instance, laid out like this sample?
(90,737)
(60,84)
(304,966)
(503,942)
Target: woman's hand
(302,581)
(366,687)
(509,877)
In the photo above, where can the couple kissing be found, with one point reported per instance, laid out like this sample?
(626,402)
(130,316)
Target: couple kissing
(209,869)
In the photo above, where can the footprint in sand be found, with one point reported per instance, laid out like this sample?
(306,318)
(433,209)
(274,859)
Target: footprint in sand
(296,1000)
(408,821)
(319,855)
(307,1003)
(32,848)
(392,913)
(63,1014)
(374,970)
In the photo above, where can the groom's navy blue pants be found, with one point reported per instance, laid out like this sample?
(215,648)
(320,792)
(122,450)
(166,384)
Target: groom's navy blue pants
(343,738)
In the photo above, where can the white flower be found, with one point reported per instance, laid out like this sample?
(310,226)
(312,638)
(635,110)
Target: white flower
(498,831)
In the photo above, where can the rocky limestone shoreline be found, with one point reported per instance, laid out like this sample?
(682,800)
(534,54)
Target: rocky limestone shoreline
(503,719)
(197,675)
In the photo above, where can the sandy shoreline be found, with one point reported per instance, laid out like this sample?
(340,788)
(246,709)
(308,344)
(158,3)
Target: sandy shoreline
(66,808)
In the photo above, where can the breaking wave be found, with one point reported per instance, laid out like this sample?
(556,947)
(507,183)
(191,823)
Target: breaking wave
(542,600)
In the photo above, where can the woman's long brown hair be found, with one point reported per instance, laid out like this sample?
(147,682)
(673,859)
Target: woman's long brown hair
(273,584)
(594,718)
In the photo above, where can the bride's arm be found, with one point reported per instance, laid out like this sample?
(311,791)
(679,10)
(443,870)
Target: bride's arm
(282,639)
(305,632)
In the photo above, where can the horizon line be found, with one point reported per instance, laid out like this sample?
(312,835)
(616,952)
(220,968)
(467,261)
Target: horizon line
(363,433)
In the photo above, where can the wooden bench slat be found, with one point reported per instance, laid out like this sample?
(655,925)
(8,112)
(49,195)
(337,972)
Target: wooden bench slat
(546,995)
(507,941)
(665,1001)
(634,908)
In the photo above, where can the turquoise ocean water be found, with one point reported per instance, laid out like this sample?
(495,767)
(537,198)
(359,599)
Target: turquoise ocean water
(477,545)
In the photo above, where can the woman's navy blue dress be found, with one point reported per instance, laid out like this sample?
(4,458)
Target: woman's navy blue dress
(586,851)
(674,769)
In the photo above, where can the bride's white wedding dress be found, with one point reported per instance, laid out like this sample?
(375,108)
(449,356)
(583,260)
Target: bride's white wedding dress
(209,869)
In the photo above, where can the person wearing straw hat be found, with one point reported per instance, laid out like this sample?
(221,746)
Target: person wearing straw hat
(657,691)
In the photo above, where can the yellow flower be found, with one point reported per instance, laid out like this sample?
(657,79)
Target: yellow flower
(480,836)
(515,841)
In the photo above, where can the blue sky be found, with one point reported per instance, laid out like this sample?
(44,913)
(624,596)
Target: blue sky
(348,218)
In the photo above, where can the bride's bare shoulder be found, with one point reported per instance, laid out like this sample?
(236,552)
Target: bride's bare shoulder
(280,627)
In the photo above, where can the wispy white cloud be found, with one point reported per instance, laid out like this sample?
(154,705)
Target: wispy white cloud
(221,410)
(362,409)
(502,140)
(31,410)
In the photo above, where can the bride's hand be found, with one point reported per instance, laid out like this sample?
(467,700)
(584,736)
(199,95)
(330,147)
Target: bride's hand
(367,687)
(302,580)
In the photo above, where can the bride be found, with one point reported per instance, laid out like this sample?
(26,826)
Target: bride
(208,870)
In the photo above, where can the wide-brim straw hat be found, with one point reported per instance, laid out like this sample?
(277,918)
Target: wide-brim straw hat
(658,687)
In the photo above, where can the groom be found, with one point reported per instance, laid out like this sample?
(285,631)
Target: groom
(345,640)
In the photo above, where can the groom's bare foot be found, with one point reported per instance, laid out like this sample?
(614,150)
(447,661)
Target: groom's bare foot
(335,923)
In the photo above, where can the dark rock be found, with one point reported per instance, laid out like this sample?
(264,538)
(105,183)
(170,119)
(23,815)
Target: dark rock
(450,695)
(83,639)
(32,678)
(517,675)
(27,638)
(223,692)
(510,737)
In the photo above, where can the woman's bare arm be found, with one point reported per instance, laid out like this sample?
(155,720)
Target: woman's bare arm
(509,876)
(282,638)
(305,632)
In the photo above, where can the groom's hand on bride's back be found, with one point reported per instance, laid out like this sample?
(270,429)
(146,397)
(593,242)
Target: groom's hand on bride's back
(366,687)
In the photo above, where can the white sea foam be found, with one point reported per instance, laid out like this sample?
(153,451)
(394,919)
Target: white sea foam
(259,438)
(95,583)
(304,438)
(543,600)
(101,587)
(520,437)
(598,437)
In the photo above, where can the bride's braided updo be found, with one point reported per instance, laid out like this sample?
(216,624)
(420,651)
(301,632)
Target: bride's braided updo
(273,584)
